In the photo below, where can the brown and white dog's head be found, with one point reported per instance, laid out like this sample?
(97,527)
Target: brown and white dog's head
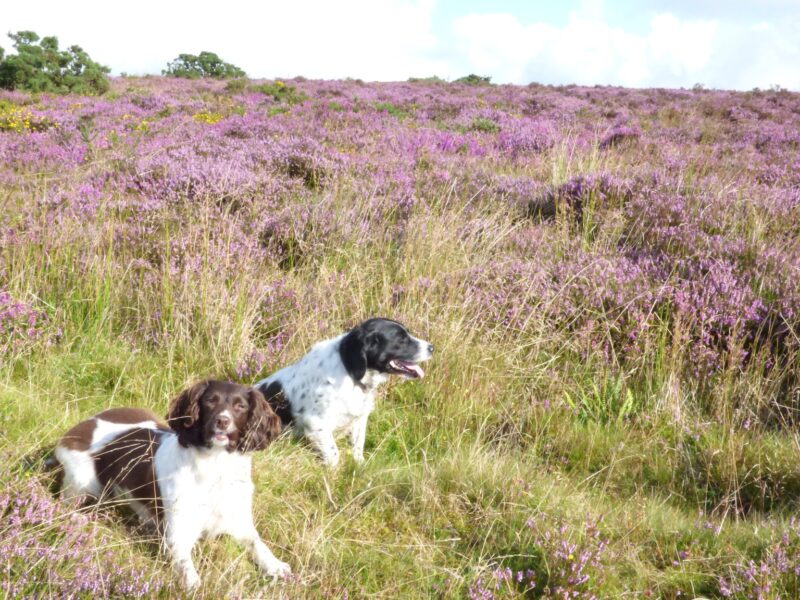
(220,414)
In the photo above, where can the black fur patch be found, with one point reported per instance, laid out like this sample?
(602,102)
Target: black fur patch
(278,401)
(373,345)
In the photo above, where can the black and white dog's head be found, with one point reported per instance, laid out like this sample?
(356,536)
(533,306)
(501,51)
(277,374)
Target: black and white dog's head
(219,414)
(383,346)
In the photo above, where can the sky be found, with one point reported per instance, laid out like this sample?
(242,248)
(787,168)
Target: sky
(729,44)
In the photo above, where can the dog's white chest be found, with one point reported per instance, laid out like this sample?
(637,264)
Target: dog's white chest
(209,486)
(336,401)
(351,405)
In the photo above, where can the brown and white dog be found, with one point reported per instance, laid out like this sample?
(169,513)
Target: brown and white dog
(191,479)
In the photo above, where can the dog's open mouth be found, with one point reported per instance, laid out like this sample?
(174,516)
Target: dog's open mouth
(220,436)
(404,367)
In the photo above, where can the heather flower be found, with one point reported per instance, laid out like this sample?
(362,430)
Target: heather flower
(20,325)
(568,561)
(775,575)
(47,550)
(618,135)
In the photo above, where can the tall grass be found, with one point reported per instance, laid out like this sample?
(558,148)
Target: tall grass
(545,454)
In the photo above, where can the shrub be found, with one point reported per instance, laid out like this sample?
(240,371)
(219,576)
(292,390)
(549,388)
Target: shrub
(39,66)
(392,109)
(49,552)
(484,125)
(20,119)
(428,80)
(207,64)
(473,79)
(618,135)
(236,86)
(20,325)
(281,92)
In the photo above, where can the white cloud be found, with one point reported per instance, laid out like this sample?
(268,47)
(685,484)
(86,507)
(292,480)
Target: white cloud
(395,39)
(672,52)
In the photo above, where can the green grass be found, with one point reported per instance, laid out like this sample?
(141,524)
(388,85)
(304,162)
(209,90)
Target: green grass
(507,426)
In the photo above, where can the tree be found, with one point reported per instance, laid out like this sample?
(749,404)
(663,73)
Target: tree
(42,67)
(207,64)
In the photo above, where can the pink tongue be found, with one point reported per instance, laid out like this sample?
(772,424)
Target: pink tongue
(415,369)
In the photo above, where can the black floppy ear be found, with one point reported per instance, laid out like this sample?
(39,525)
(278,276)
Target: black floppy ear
(354,354)
(184,414)
(263,424)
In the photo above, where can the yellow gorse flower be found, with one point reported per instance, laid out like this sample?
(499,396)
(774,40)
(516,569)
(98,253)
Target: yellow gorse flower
(208,117)
(17,118)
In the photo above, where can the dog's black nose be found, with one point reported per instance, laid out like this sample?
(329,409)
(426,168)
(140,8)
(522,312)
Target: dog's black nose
(430,348)
(223,421)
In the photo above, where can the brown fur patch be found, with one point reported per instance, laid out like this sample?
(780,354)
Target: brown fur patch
(128,463)
(80,436)
(130,415)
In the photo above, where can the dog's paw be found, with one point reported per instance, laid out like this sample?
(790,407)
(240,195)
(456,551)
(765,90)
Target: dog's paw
(191,579)
(278,569)
(331,459)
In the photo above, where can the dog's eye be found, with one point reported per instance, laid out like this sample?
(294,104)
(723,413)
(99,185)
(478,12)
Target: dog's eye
(211,400)
(240,406)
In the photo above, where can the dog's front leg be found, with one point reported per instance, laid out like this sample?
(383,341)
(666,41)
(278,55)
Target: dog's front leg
(262,555)
(239,524)
(358,435)
(179,539)
(323,442)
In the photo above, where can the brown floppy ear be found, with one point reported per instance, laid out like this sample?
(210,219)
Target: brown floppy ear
(184,414)
(263,424)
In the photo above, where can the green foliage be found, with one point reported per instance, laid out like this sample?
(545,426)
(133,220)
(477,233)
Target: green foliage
(431,79)
(277,110)
(236,86)
(608,402)
(473,79)
(39,66)
(206,64)
(392,109)
(281,92)
(19,118)
(485,125)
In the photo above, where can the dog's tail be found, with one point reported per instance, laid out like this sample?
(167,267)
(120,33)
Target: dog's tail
(278,401)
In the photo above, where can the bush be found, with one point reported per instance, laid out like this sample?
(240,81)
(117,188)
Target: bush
(484,125)
(207,64)
(473,79)
(281,92)
(47,551)
(19,119)
(42,67)
(236,86)
(431,79)
(392,109)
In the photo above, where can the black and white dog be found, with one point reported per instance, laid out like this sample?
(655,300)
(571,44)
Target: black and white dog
(189,479)
(333,386)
